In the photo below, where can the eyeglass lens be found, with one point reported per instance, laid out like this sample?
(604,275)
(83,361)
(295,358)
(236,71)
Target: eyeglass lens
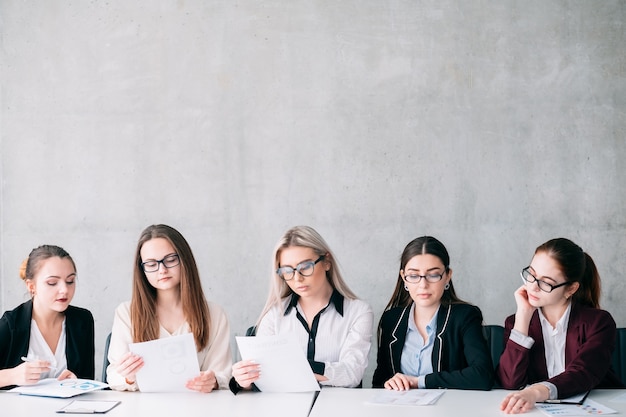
(169,261)
(429,277)
(528,277)
(304,268)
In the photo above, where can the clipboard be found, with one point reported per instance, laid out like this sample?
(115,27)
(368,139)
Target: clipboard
(88,407)
(575,399)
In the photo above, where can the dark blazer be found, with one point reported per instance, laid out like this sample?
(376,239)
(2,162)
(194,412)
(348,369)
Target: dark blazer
(460,359)
(589,345)
(79,328)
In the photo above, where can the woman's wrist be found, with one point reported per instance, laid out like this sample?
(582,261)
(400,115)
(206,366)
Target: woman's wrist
(542,392)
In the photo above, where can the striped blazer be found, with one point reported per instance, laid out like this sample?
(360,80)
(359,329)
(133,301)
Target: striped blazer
(460,359)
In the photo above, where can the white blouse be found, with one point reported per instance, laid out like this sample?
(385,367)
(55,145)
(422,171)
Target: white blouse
(342,341)
(39,349)
(216,356)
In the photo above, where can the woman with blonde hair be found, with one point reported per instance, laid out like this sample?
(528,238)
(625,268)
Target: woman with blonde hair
(46,337)
(168,300)
(309,298)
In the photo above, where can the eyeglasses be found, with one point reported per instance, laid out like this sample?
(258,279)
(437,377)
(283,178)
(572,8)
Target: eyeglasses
(169,261)
(543,286)
(415,278)
(305,269)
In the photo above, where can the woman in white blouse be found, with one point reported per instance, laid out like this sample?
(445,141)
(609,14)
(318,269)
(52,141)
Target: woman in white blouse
(168,301)
(46,337)
(309,298)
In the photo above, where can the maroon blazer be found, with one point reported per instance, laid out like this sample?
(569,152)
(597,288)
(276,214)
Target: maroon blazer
(589,347)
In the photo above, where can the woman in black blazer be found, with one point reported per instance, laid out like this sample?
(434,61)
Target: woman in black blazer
(427,336)
(56,339)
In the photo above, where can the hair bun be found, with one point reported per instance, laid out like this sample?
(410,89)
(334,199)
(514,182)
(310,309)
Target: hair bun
(23,269)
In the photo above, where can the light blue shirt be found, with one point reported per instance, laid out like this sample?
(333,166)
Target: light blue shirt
(416,359)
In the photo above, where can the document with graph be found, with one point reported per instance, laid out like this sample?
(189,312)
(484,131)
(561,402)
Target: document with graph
(168,363)
(52,387)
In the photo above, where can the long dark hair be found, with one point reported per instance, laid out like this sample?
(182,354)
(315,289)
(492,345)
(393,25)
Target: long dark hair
(424,245)
(577,266)
(143,302)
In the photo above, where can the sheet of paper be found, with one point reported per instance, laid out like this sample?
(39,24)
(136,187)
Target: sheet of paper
(88,407)
(168,363)
(410,397)
(589,407)
(284,367)
(52,387)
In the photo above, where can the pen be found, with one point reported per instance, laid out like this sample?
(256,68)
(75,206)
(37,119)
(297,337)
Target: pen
(25,359)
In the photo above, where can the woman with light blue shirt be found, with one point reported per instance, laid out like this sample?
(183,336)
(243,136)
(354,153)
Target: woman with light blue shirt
(427,336)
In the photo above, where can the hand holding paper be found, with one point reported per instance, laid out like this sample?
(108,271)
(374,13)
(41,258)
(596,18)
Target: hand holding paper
(282,364)
(169,363)
(205,382)
(246,373)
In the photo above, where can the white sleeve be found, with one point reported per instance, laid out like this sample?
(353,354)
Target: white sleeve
(121,337)
(269,323)
(355,346)
(217,354)
(521,339)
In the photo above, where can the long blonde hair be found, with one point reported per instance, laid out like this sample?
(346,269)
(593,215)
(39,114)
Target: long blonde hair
(143,302)
(307,237)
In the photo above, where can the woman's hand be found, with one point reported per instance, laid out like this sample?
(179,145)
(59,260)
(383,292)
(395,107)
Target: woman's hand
(320,378)
(524,310)
(29,373)
(128,366)
(205,382)
(521,299)
(66,374)
(246,372)
(401,382)
(524,400)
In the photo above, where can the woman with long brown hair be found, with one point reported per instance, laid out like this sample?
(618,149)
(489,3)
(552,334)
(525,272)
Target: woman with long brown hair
(168,300)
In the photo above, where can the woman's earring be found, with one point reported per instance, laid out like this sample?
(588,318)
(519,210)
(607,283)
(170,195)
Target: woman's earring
(447,286)
(405,287)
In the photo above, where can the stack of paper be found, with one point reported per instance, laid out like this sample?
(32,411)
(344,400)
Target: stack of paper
(410,397)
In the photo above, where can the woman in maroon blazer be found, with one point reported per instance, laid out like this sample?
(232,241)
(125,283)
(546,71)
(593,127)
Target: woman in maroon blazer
(559,342)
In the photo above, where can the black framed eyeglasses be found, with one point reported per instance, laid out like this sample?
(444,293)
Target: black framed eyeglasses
(169,261)
(528,277)
(305,269)
(415,278)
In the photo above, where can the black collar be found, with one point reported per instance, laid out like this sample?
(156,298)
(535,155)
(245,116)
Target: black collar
(336,299)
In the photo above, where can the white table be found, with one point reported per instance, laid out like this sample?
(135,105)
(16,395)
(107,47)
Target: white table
(220,403)
(343,402)
(347,402)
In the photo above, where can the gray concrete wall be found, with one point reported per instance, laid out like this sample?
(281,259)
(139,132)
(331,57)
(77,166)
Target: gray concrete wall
(492,125)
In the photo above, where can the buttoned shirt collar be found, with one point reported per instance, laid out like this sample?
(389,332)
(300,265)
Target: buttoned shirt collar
(336,299)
